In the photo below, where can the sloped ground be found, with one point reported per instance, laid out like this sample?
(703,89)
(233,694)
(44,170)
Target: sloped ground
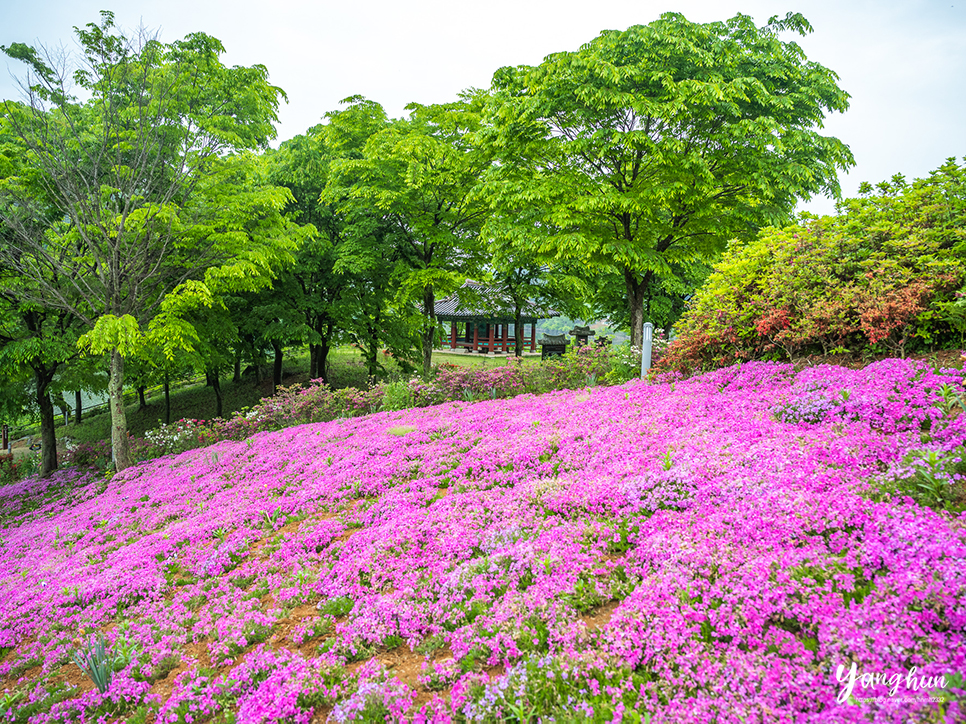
(690,551)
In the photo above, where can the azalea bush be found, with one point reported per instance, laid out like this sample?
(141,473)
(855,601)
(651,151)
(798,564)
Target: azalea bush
(884,276)
(86,455)
(177,437)
(685,550)
(14,468)
(97,455)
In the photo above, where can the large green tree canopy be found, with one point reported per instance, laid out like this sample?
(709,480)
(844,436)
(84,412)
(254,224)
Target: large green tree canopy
(646,150)
(343,282)
(419,174)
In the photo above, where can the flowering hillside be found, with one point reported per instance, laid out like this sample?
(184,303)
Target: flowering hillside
(711,549)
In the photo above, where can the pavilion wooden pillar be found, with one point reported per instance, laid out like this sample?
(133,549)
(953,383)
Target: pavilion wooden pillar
(476,336)
(452,335)
(491,331)
(533,336)
(506,338)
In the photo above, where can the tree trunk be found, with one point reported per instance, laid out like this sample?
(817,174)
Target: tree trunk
(320,354)
(517,332)
(142,403)
(372,364)
(236,377)
(78,407)
(313,361)
(635,304)
(167,400)
(115,389)
(216,386)
(324,350)
(256,363)
(48,437)
(277,367)
(429,331)
(371,349)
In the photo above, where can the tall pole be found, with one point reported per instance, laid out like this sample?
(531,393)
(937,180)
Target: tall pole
(647,337)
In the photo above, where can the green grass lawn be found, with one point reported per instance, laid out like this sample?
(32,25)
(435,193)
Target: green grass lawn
(478,360)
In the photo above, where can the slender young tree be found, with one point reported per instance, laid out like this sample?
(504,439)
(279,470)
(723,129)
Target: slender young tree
(309,292)
(40,343)
(135,162)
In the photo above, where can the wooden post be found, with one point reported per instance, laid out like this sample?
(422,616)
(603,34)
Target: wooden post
(452,335)
(490,329)
(506,338)
(476,336)
(533,336)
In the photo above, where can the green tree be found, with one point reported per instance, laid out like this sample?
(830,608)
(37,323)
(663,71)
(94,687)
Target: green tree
(376,316)
(342,282)
(647,149)
(37,343)
(418,174)
(664,297)
(40,343)
(136,163)
(523,281)
(311,289)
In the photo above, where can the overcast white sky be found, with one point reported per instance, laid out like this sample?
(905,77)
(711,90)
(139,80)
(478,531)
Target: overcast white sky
(902,61)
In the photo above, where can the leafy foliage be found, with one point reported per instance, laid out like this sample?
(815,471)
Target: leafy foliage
(417,174)
(139,172)
(644,151)
(884,274)
(93,660)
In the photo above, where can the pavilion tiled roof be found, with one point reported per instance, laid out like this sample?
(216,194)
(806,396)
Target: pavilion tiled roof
(486,304)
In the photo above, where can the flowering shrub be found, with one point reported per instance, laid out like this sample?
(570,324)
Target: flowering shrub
(882,275)
(87,455)
(97,455)
(12,470)
(176,437)
(625,360)
(675,551)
